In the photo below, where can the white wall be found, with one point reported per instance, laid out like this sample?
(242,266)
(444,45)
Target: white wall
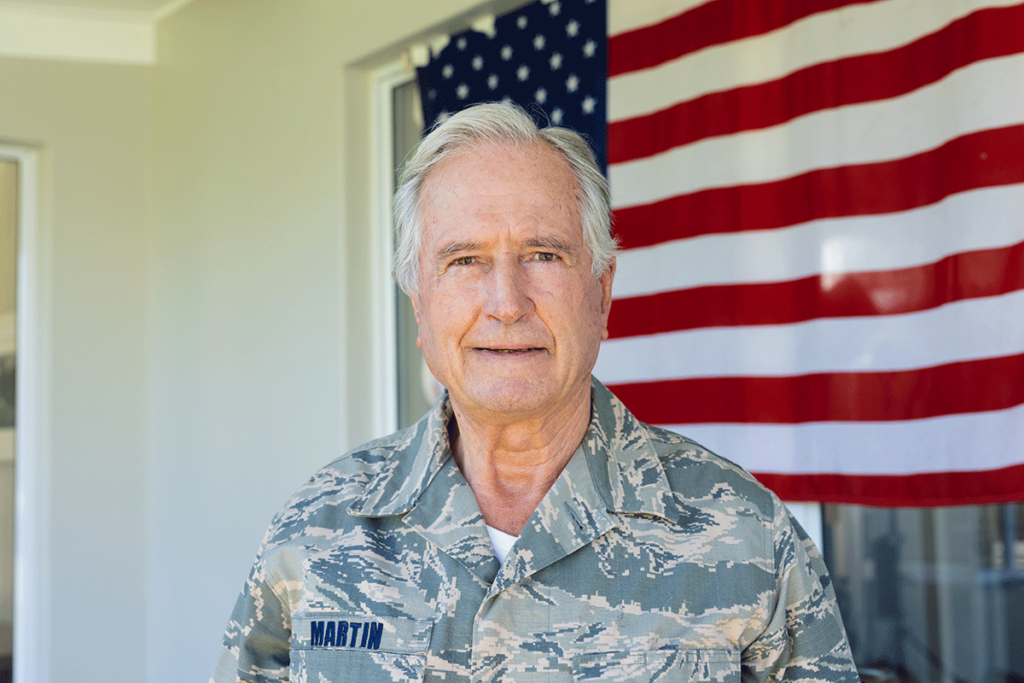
(205,231)
(259,319)
(90,124)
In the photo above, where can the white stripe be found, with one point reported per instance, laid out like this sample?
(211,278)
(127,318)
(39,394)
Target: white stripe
(845,32)
(964,330)
(953,443)
(628,15)
(981,219)
(863,133)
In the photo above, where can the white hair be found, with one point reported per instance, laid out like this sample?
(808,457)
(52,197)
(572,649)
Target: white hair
(499,123)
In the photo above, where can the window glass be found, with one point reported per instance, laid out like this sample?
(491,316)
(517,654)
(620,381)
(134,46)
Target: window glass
(413,400)
(8,300)
(931,594)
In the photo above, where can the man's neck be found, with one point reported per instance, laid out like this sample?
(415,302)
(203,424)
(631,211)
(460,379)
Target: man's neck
(510,467)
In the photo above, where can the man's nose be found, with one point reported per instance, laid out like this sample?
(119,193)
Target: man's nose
(507,296)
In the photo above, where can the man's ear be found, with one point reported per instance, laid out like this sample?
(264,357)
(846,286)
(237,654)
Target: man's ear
(415,300)
(606,296)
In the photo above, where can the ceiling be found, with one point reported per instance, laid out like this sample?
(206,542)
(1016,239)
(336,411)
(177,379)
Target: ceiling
(146,7)
(118,31)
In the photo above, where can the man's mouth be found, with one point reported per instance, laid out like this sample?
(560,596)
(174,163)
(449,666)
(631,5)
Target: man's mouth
(510,351)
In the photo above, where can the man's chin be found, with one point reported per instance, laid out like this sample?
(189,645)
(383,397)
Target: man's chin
(511,398)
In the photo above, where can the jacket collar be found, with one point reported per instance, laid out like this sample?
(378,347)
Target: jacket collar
(417,455)
(626,471)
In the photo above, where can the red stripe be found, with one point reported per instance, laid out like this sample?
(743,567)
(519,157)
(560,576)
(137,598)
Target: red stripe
(984,159)
(985,487)
(984,34)
(962,387)
(968,275)
(719,21)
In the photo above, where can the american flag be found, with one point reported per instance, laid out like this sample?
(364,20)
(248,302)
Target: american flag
(821,209)
(549,57)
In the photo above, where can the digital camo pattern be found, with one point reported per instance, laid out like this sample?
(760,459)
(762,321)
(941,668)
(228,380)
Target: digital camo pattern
(650,559)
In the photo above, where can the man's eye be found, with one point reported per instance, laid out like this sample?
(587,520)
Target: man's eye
(463,261)
(545,256)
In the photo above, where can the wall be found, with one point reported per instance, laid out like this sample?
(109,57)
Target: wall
(205,235)
(90,125)
(259,309)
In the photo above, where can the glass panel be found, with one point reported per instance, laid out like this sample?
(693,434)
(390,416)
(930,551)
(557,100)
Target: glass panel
(931,594)
(8,297)
(412,397)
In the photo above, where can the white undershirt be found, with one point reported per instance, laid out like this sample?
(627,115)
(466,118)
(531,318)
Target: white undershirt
(501,542)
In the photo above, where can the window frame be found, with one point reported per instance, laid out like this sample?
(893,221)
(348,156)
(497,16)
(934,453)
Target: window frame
(32,556)
(383,82)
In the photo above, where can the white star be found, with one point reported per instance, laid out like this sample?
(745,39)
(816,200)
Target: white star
(506,52)
(554,8)
(588,104)
(541,95)
(462,92)
(572,83)
(555,61)
(492,81)
(523,72)
(461,43)
(447,70)
(556,116)
(572,29)
(506,99)
(443,116)
(538,42)
(521,21)
(478,63)
(589,49)
(431,94)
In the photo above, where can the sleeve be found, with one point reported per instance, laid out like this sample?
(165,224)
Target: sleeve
(258,634)
(804,640)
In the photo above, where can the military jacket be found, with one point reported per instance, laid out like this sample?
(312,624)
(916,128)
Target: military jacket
(650,559)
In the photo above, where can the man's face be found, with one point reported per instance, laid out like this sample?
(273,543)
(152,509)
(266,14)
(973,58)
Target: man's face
(510,315)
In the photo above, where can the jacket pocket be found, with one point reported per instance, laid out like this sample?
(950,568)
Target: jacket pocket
(329,647)
(338,666)
(662,666)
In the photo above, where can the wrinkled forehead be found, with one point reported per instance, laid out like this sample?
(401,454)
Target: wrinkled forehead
(498,155)
(524,171)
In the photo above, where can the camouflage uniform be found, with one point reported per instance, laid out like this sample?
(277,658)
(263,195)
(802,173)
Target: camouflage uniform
(650,559)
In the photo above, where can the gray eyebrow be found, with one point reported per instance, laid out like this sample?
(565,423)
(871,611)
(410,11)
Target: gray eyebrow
(455,248)
(547,243)
(551,244)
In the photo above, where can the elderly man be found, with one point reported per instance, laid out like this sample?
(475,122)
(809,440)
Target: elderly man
(528,528)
